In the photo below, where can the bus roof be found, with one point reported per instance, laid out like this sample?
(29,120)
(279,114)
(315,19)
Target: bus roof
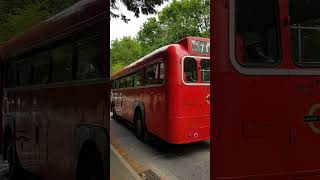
(185,44)
(55,27)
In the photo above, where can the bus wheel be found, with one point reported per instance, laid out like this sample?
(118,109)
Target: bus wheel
(140,127)
(90,167)
(114,113)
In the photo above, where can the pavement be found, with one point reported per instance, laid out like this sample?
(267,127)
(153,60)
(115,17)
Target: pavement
(167,161)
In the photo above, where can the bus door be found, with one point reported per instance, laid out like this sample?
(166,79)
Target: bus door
(26,120)
(1,100)
(250,94)
(305,85)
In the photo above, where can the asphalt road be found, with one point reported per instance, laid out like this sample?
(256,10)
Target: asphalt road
(4,173)
(169,162)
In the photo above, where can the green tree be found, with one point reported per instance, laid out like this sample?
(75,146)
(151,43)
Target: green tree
(123,52)
(176,21)
(18,15)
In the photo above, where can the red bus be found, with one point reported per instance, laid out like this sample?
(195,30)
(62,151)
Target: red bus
(1,94)
(166,93)
(266,79)
(55,106)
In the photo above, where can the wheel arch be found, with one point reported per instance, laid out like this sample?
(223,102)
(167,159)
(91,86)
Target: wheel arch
(8,129)
(139,106)
(92,138)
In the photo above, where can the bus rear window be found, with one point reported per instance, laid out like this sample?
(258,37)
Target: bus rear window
(205,70)
(190,72)
(305,31)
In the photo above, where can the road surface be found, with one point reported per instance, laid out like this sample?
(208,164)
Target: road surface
(158,158)
(4,170)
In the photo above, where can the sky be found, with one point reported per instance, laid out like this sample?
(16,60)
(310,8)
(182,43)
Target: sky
(119,29)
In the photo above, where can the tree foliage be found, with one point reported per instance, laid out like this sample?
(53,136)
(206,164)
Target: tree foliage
(176,21)
(136,6)
(123,52)
(18,15)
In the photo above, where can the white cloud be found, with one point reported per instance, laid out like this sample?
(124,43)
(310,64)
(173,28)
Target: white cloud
(119,29)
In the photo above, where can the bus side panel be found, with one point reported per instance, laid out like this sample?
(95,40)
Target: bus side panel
(2,82)
(127,110)
(80,105)
(252,135)
(249,121)
(154,99)
(26,122)
(305,135)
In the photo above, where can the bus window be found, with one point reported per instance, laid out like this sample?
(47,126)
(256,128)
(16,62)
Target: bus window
(190,72)
(205,70)
(138,79)
(11,75)
(151,75)
(122,83)
(24,73)
(41,68)
(257,32)
(62,59)
(161,76)
(117,83)
(89,58)
(129,81)
(305,31)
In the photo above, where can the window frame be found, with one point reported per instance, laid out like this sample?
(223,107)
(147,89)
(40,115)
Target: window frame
(182,71)
(299,29)
(143,68)
(27,64)
(201,75)
(157,74)
(233,40)
(256,71)
(132,80)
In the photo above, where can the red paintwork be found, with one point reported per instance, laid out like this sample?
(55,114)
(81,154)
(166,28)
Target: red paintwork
(255,117)
(77,15)
(57,110)
(173,111)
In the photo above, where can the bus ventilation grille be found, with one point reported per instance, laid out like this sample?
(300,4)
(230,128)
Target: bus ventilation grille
(149,175)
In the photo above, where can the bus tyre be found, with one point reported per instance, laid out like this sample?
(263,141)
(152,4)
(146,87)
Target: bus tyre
(141,132)
(91,167)
(114,113)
